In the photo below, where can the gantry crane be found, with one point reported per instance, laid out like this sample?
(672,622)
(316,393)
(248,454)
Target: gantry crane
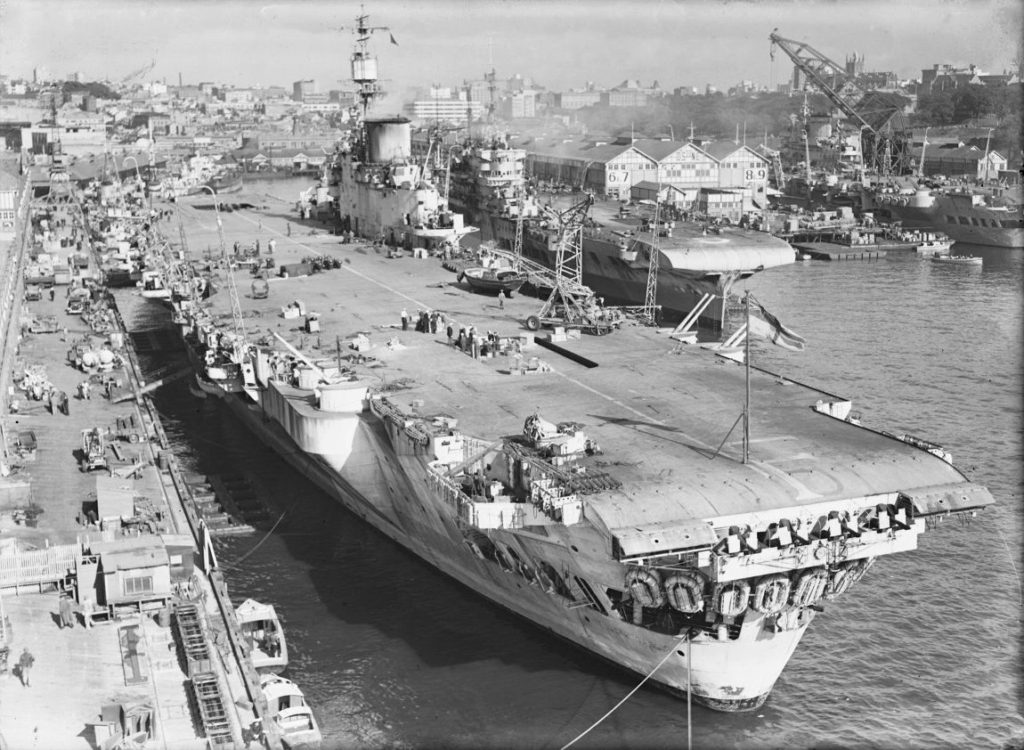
(571,303)
(651,313)
(517,244)
(885,142)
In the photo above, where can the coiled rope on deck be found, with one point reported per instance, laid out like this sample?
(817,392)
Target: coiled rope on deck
(628,695)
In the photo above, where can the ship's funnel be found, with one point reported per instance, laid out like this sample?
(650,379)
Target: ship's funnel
(388,139)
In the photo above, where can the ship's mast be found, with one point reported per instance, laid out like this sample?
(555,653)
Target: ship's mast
(492,83)
(364,65)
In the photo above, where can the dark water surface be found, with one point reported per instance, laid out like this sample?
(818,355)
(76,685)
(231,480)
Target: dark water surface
(924,652)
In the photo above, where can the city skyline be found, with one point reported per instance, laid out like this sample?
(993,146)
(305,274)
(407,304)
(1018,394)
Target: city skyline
(560,46)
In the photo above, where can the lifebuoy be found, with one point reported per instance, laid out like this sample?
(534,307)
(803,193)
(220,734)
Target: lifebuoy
(845,576)
(685,591)
(771,594)
(645,586)
(809,588)
(733,599)
(527,572)
(503,558)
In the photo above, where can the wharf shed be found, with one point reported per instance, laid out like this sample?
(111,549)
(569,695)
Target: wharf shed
(648,190)
(722,204)
(612,170)
(685,166)
(741,168)
(133,571)
(10,188)
(965,161)
(605,169)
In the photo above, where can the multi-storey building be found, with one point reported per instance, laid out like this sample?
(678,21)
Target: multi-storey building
(578,99)
(302,89)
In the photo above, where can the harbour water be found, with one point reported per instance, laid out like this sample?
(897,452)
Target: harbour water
(924,652)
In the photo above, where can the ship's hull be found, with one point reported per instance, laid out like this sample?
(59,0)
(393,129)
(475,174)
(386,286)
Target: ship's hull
(230,184)
(389,490)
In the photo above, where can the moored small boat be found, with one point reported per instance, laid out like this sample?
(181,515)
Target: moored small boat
(288,709)
(262,630)
(493,280)
(965,260)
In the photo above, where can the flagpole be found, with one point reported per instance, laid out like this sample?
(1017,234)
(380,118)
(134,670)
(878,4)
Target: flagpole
(746,367)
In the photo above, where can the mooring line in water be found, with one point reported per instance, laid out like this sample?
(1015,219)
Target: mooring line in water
(266,536)
(1016,573)
(629,695)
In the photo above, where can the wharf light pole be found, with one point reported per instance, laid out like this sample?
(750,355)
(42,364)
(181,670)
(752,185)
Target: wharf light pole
(136,162)
(988,140)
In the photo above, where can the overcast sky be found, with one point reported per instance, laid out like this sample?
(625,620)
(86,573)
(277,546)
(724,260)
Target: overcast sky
(559,43)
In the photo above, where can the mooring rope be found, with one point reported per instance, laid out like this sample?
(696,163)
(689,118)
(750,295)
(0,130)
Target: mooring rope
(258,544)
(626,698)
(1016,573)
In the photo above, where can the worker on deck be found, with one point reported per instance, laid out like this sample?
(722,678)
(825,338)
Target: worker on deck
(67,617)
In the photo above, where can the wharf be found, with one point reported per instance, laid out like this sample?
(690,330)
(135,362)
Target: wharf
(125,673)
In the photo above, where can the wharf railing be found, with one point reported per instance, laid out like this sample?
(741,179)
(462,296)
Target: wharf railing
(12,276)
(38,567)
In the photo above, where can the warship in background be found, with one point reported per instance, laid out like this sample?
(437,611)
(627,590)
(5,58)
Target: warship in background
(698,262)
(965,215)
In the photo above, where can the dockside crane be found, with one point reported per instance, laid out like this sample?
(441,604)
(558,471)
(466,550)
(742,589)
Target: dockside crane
(135,74)
(650,313)
(571,303)
(885,142)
